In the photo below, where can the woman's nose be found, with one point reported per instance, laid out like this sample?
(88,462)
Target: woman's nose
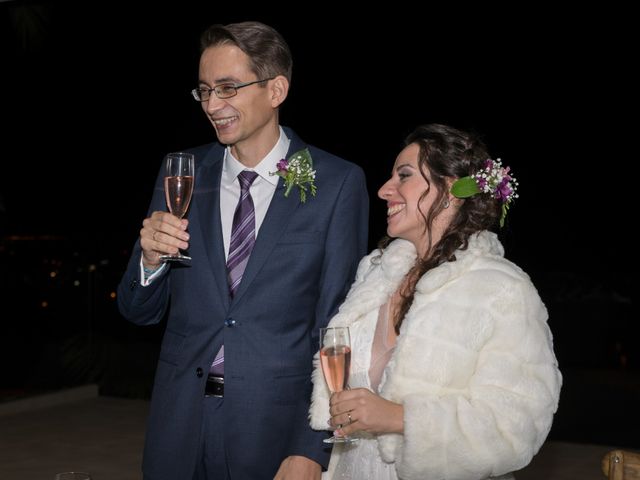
(385,190)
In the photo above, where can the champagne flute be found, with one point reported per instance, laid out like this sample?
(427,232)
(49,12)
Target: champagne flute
(178,188)
(335,358)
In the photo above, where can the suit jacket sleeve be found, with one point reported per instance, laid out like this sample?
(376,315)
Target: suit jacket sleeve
(138,304)
(346,244)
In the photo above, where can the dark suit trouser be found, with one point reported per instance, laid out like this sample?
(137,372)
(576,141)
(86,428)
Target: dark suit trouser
(211,463)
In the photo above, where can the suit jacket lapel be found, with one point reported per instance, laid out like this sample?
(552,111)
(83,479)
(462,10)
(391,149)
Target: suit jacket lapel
(208,211)
(273,225)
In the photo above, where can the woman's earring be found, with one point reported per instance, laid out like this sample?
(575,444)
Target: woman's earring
(446,203)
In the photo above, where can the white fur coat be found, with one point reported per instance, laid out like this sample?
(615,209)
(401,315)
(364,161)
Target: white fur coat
(473,366)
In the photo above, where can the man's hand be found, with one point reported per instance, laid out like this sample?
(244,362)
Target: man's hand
(162,233)
(297,467)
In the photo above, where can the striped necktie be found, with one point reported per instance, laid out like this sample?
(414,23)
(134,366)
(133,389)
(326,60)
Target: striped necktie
(243,238)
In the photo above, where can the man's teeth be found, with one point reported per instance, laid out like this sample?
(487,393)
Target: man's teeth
(395,209)
(224,121)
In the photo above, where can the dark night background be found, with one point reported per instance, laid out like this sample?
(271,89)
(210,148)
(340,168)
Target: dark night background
(92,95)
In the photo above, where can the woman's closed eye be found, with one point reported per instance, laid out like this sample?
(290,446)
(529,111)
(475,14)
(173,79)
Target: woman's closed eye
(404,171)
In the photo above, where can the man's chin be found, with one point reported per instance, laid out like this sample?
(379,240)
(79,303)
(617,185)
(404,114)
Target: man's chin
(225,139)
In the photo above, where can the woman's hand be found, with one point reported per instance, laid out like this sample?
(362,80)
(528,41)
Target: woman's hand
(362,410)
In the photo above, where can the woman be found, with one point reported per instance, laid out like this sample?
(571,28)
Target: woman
(453,374)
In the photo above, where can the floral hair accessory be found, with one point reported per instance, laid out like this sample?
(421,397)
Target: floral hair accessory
(494,179)
(298,171)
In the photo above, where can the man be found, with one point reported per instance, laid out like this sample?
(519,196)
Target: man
(268,270)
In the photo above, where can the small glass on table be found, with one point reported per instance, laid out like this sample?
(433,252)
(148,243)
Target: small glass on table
(73,476)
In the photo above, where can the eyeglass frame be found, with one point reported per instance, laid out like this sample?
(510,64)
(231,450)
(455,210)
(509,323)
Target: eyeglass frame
(236,86)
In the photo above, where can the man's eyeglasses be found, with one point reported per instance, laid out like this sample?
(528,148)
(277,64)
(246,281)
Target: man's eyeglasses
(224,90)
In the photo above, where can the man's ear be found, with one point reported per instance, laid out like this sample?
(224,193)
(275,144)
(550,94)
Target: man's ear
(279,90)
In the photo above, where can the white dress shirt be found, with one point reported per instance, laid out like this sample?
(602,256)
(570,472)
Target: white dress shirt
(262,190)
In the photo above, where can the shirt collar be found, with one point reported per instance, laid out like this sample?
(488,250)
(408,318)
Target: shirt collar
(232,167)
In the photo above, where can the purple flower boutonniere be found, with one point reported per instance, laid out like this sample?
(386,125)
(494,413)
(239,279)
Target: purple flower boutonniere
(298,171)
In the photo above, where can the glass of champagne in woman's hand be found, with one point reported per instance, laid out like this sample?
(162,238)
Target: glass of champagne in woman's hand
(335,358)
(178,187)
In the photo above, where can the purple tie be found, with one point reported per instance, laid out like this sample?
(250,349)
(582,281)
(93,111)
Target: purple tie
(243,232)
(243,237)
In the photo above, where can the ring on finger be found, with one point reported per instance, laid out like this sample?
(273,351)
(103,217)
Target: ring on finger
(349,417)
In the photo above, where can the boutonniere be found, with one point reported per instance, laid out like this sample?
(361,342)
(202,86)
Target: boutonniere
(298,171)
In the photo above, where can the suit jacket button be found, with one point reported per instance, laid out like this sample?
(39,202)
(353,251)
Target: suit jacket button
(199,372)
(133,284)
(229,322)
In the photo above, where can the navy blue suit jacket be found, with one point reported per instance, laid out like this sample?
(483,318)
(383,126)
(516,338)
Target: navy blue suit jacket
(301,267)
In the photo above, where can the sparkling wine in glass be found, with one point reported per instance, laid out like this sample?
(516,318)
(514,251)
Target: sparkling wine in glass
(178,188)
(335,358)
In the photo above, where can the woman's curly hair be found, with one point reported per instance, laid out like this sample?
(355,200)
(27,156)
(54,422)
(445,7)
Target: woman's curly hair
(448,154)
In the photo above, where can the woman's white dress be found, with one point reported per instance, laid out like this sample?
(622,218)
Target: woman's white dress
(371,350)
